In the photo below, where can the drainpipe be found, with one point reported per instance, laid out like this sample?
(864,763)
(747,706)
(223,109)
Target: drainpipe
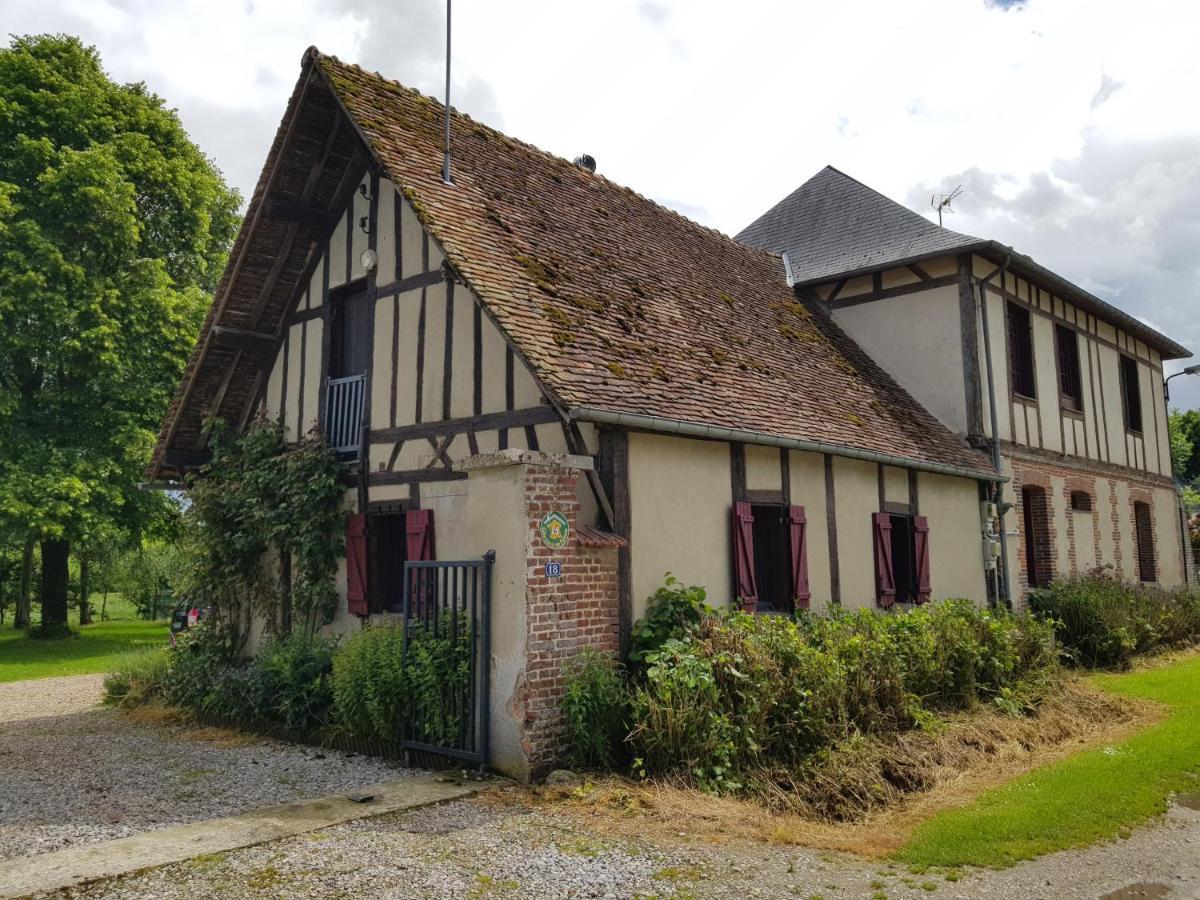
(998,488)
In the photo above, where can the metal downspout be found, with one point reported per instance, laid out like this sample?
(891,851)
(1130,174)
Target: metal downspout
(997,464)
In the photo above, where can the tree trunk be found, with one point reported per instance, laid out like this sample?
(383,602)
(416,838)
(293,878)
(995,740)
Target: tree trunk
(54,583)
(21,619)
(85,610)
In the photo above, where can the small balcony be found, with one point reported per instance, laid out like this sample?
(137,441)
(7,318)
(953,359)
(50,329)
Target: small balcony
(343,413)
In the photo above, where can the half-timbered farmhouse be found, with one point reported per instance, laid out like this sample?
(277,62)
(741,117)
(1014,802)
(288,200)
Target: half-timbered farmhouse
(532,359)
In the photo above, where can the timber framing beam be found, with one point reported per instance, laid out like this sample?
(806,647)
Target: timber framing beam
(516,418)
(315,217)
(242,338)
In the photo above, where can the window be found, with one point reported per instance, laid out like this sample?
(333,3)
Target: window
(1081,501)
(348,350)
(377,546)
(770,557)
(1020,351)
(1070,385)
(901,558)
(1035,527)
(1131,394)
(1144,534)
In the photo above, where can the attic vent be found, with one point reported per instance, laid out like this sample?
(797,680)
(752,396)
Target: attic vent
(586,162)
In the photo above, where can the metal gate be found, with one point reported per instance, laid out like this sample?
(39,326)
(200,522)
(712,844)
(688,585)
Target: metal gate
(447,654)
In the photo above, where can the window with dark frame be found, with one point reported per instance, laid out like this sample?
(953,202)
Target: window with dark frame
(904,560)
(1131,394)
(1035,518)
(1070,384)
(1020,351)
(772,558)
(385,559)
(1081,501)
(1144,534)
(348,350)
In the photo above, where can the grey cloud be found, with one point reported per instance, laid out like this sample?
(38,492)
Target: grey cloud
(1122,219)
(406,41)
(1108,87)
(655,13)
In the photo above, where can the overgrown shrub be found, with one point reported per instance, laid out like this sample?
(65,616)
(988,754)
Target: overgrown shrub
(748,693)
(369,687)
(1104,623)
(199,656)
(138,677)
(595,705)
(673,611)
(294,677)
(378,684)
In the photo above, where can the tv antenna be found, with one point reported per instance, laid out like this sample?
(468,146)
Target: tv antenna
(942,202)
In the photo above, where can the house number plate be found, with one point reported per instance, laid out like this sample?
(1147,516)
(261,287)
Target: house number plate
(553,570)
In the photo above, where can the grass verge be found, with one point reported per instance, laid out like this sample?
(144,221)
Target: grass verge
(1090,796)
(96,648)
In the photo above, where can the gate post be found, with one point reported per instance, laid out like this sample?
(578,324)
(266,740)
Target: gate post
(554,592)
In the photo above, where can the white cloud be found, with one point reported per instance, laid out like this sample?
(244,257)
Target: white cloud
(1067,121)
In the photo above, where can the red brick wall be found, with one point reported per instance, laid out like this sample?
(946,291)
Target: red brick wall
(1122,561)
(564,614)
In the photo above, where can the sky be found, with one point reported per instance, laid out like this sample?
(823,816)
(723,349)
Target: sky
(1071,125)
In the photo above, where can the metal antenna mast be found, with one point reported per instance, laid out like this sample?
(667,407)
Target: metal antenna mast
(446,155)
(942,202)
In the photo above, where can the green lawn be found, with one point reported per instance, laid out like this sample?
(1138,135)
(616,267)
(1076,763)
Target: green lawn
(1094,795)
(94,650)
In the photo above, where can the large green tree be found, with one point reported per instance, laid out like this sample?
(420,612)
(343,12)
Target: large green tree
(113,230)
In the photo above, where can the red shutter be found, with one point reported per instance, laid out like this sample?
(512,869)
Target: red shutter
(885,579)
(743,556)
(418,529)
(798,531)
(356,564)
(921,547)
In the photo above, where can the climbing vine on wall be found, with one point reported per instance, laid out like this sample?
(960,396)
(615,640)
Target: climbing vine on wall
(265,530)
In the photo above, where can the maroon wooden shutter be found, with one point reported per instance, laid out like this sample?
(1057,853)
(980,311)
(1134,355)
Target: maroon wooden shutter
(885,578)
(356,564)
(798,531)
(418,529)
(743,555)
(921,547)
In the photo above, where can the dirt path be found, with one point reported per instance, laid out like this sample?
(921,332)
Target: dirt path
(74,772)
(475,849)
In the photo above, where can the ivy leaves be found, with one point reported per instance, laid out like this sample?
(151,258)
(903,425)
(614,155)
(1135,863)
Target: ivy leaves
(259,498)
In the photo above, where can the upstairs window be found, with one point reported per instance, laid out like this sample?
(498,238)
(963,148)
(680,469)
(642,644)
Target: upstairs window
(1131,394)
(1070,385)
(1020,352)
(1081,501)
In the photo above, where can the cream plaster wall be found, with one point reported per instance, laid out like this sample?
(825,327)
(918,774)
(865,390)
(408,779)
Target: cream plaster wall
(916,337)
(764,469)
(856,497)
(895,485)
(955,536)
(680,499)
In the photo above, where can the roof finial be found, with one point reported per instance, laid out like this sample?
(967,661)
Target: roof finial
(446,155)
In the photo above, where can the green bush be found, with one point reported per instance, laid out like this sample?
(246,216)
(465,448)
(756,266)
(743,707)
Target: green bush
(673,611)
(747,693)
(369,688)
(1104,623)
(139,677)
(378,684)
(199,655)
(595,706)
(293,677)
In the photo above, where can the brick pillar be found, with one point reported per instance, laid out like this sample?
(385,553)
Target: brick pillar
(545,619)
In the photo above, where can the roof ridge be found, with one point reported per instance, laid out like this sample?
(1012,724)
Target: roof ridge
(533,148)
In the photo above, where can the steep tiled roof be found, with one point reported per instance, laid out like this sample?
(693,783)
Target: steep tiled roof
(620,304)
(833,224)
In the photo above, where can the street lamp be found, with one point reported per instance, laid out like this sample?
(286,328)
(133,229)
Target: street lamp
(1190,370)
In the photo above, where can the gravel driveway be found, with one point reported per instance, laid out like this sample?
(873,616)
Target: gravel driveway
(472,849)
(72,772)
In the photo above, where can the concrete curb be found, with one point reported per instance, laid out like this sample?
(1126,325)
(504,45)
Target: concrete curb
(47,872)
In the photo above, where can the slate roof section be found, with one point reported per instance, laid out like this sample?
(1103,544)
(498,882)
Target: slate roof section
(834,226)
(620,304)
